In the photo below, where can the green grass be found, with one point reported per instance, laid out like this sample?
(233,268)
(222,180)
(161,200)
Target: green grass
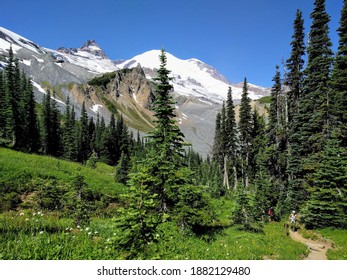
(339,239)
(29,236)
(229,243)
(20,168)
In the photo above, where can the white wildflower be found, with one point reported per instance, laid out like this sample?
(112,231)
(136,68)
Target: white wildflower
(21,214)
(41,232)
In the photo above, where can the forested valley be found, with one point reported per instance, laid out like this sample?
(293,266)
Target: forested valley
(86,189)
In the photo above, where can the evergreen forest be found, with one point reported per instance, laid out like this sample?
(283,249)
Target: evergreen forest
(80,188)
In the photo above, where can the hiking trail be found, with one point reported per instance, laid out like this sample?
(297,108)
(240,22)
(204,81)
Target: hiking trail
(318,248)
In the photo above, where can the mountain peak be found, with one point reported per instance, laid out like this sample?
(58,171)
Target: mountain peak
(92,47)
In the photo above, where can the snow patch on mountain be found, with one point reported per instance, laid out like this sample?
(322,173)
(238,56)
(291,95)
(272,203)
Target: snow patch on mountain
(8,37)
(191,77)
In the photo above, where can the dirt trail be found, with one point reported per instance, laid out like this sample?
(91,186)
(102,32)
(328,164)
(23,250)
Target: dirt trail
(318,248)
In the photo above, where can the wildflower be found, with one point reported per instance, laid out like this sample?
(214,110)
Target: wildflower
(157,235)
(70,228)
(78,226)
(26,219)
(34,214)
(108,240)
(21,214)
(96,232)
(87,228)
(41,232)
(67,229)
(41,214)
(89,233)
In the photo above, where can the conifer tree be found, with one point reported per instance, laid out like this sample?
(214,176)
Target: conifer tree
(339,79)
(83,139)
(295,194)
(46,124)
(295,65)
(315,104)
(6,115)
(13,90)
(51,127)
(312,124)
(217,153)
(30,130)
(69,133)
(327,205)
(167,134)
(245,129)
(166,139)
(138,222)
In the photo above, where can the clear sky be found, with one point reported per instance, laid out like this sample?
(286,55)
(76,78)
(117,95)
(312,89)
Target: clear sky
(240,38)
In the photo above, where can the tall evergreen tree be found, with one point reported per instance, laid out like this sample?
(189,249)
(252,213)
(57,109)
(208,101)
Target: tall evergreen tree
(13,90)
(69,133)
(167,132)
(327,205)
(217,145)
(30,129)
(83,137)
(315,104)
(245,129)
(295,65)
(51,127)
(6,115)
(231,141)
(339,79)
(312,124)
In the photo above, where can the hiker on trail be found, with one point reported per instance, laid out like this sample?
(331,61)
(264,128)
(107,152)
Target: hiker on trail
(292,219)
(270,213)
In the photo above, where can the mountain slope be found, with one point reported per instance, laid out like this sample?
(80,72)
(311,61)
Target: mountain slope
(192,77)
(199,88)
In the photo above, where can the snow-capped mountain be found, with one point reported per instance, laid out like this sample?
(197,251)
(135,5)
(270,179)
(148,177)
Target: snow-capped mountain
(89,56)
(192,77)
(199,88)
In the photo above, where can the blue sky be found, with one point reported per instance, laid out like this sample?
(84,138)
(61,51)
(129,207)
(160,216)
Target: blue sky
(240,38)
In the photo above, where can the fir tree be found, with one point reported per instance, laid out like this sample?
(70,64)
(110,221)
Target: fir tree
(30,127)
(166,134)
(217,152)
(339,79)
(166,139)
(295,65)
(69,133)
(13,89)
(138,222)
(83,139)
(295,194)
(6,115)
(245,129)
(312,124)
(314,106)
(327,205)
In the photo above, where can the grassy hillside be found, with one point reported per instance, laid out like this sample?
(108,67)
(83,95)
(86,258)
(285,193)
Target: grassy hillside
(30,232)
(23,175)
